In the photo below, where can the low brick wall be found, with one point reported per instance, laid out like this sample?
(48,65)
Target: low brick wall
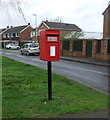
(67,53)
(103,55)
(78,54)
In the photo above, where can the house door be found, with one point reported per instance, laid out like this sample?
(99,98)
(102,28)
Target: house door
(89,48)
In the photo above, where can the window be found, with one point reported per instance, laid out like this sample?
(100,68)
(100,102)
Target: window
(17,35)
(98,46)
(34,33)
(14,35)
(31,34)
(4,35)
(108,47)
(8,35)
(11,35)
(33,45)
(25,46)
(77,45)
(66,45)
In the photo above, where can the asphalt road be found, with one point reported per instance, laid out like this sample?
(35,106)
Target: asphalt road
(90,75)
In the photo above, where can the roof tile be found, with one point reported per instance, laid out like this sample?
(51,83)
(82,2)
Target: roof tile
(15,29)
(65,26)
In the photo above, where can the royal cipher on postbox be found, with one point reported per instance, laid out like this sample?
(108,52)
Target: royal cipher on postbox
(50,45)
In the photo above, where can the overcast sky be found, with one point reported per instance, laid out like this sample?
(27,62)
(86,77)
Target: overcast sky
(87,14)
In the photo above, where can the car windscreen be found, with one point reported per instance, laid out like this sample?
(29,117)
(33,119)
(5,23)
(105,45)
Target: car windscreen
(12,44)
(33,45)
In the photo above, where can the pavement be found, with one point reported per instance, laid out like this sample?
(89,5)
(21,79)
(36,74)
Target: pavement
(96,114)
(87,60)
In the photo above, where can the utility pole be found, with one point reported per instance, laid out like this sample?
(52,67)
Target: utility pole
(35,26)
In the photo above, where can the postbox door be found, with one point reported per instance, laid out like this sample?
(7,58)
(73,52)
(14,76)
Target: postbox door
(53,52)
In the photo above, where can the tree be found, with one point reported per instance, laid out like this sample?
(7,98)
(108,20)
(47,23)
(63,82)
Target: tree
(13,5)
(57,19)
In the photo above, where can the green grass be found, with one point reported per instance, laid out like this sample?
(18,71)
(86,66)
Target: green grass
(25,92)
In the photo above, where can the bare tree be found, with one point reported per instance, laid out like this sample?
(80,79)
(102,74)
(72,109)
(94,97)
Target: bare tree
(13,5)
(57,19)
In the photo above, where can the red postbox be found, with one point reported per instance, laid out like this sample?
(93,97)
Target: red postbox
(50,45)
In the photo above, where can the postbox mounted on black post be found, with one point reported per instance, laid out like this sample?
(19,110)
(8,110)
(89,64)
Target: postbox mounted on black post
(50,51)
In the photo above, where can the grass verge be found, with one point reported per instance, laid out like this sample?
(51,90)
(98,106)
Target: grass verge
(24,93)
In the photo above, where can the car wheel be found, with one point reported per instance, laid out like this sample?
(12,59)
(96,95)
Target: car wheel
(28,53)
(21,53)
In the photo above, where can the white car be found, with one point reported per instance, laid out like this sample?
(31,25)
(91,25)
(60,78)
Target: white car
(30,48)
(12,46)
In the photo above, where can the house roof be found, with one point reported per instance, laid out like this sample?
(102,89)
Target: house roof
(87,35)
(2,30)
(64,26)
(16,29)
(106,9)
(33,30)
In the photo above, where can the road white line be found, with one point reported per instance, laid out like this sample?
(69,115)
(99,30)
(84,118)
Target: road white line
(8,53)
(94,71)
(21,56)
(38,60)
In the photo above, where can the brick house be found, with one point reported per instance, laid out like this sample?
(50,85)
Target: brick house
(1,32)
(106,23)
(65,28)
(17,35)
(33,35)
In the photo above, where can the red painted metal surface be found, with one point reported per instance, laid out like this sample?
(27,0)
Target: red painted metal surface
(50,45)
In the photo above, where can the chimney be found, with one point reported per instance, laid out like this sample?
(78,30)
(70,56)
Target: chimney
(7,26)
(28,23)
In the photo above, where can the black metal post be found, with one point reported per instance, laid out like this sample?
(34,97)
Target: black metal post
(49,81)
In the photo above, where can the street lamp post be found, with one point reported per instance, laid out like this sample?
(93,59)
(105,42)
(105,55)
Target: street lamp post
(35,26)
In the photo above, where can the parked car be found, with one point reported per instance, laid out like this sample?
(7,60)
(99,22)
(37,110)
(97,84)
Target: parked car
(12,46)
(30,48)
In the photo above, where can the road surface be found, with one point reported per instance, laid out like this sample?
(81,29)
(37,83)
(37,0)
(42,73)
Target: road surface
(91,75)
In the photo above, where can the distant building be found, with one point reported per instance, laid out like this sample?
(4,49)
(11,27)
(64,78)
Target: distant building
(65,28)
(2,31)
(17,35)
(106,23)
